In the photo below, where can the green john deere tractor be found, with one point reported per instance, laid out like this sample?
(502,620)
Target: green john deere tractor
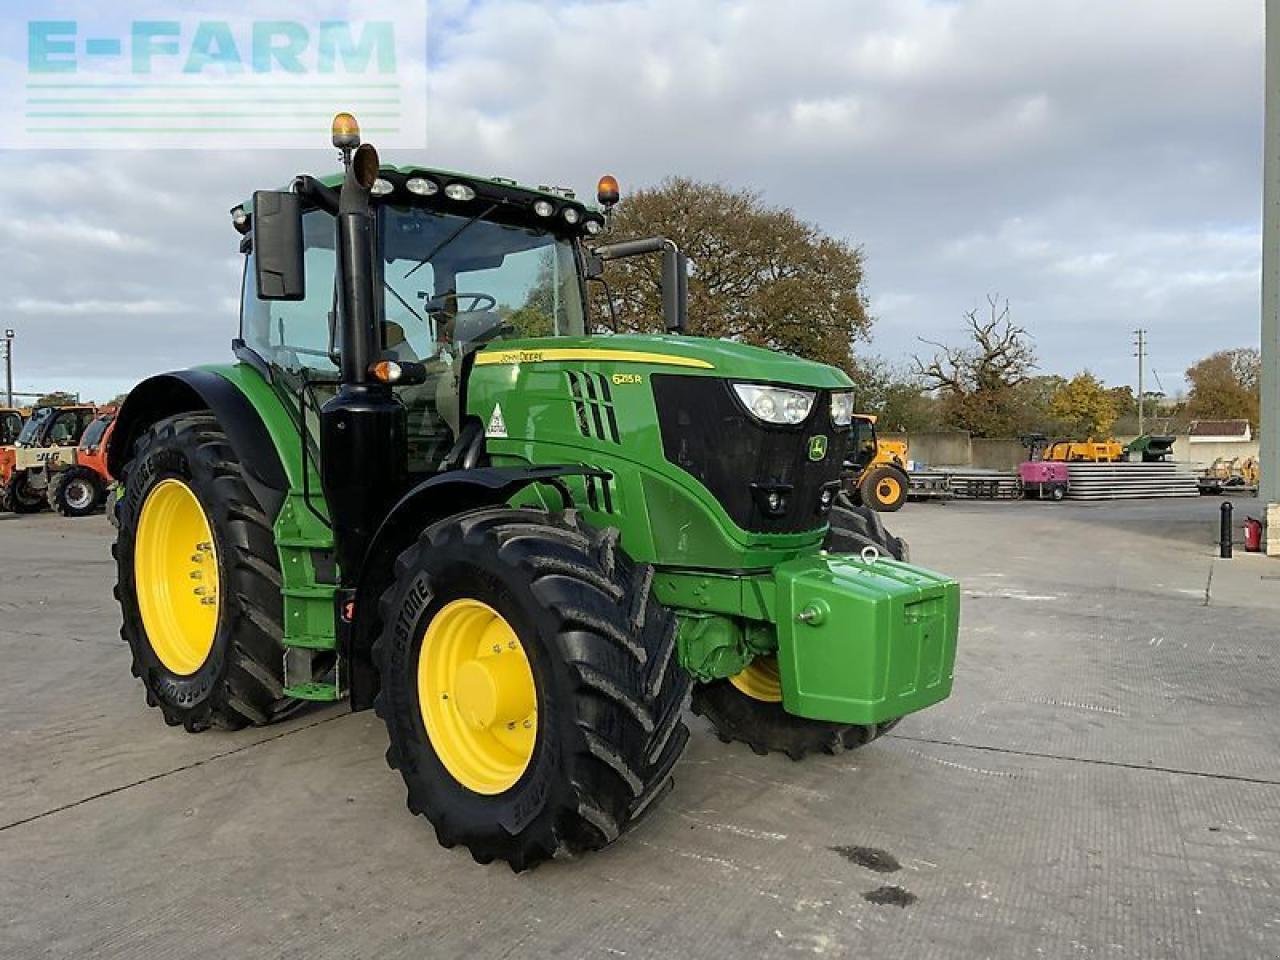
(425,486)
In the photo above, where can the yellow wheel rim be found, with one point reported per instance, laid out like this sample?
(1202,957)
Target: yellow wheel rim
(175,571)
(888,489)
(760,680)
(477,696)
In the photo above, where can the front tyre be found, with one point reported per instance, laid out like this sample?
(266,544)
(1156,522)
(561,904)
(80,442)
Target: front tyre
(529,685)
(198,580)
(747,708)
(19,496)
(884,488)
(75,492)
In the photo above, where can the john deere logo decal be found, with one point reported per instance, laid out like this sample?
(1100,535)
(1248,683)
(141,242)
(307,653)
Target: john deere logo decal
(817,447)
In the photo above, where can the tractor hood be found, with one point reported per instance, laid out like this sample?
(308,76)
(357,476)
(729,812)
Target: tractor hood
(693,355)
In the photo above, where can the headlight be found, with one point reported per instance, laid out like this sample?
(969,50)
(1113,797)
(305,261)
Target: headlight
(775,404)
(842,409)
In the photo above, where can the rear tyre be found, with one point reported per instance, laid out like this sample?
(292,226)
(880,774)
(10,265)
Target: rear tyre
(18,495)
(198,581)
(75,492)
(747,708)
(529,685)
(884,488)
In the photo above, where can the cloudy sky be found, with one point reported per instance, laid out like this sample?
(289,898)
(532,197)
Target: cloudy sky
(1096,162)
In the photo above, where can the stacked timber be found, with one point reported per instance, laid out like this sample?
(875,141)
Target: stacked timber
(1130,481)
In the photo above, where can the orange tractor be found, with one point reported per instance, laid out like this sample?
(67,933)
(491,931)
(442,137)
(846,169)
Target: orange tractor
(45,446)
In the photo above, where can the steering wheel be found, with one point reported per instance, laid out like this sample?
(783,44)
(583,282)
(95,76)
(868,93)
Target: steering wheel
(479,301)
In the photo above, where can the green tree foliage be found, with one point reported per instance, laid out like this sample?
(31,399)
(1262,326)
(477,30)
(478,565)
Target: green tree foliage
(57,398)
(979,384)
(897,397)
(1225,386)
(1084,407)
(760,275)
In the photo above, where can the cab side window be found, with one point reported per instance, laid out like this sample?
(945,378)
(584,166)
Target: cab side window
(297,335)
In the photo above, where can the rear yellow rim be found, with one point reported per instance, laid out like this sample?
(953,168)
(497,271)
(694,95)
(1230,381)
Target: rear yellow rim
(175,571)
(477,696)
(760,680)
(888,489)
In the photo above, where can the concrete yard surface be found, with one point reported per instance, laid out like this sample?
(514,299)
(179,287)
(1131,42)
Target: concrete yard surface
(1104,782)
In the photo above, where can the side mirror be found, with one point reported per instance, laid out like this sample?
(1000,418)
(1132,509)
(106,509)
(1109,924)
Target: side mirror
(277,245)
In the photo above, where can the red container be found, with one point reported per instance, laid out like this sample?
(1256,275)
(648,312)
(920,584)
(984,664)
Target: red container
(1252,535)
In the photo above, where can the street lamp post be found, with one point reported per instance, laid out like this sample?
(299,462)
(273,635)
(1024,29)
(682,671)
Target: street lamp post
(8,367)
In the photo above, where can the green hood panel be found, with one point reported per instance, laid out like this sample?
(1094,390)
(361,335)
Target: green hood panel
(693,355)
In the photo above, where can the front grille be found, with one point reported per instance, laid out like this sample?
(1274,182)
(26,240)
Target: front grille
(593,405)
(707,433)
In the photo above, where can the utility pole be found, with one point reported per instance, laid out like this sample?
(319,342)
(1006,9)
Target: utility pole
(8,367)
(1269,457)
(1140,342)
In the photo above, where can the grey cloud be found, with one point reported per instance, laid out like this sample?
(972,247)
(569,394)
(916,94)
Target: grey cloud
(1096,162)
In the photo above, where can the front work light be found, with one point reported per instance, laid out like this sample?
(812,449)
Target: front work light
(543,208)
(460,192)
(381,187)
(780,405)
(421,186)
(842,409)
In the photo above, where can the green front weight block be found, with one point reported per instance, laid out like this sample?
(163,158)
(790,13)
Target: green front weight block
(864,641)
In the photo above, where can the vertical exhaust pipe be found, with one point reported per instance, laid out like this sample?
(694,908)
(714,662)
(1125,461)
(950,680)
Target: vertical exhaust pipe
(363,446)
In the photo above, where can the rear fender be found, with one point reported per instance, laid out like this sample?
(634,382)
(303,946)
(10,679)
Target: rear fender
(183,391)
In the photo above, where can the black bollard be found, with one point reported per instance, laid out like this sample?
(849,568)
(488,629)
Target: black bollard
(1224,532)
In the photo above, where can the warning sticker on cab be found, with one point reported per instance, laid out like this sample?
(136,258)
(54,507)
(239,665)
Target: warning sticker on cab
(497,425)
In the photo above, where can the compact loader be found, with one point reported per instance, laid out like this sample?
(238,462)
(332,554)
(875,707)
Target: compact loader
(876,469)
(426,486)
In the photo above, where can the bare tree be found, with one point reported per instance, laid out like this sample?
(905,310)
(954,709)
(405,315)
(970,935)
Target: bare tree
(978,382)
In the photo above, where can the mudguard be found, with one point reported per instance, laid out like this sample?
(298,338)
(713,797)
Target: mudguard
(185,390)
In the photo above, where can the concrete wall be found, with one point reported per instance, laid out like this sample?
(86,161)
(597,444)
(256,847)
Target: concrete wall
(997,453)
(940,449)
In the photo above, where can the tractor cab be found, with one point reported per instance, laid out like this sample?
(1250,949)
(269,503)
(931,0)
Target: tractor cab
(459,263)
(10,425)
(56,426)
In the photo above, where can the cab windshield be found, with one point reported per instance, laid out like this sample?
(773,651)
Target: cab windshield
(450,282)
(29,429)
